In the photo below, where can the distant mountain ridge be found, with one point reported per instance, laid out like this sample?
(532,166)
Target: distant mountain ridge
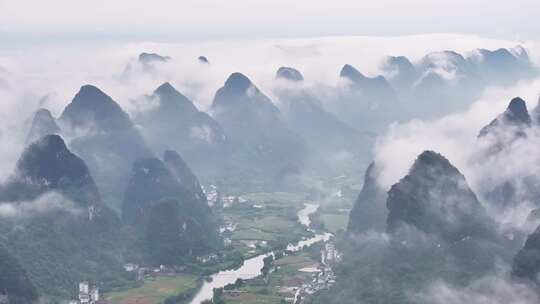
(43,124)
(254,125)
(165,205)
(173,116)
(62,221)
(103,134)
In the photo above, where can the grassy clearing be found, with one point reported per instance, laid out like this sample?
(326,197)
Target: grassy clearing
(267,217)
(335,222)
(273,224)
(154,291)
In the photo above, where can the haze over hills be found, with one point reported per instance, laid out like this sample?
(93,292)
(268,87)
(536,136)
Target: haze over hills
(58,220)
(172,115)
(165,205)
(324,132)
(105,137)
(43,124)
(158,183)
(438,228)
(255,127)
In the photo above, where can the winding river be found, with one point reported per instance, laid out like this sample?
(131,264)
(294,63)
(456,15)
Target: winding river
(251,268)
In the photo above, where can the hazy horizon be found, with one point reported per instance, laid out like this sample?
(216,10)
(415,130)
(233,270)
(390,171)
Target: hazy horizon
(315,152)
(63,21)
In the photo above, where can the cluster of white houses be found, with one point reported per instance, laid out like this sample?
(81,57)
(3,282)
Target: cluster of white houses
(87,294)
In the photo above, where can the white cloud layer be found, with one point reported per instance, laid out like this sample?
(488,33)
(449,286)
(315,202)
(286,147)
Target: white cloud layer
(57,71)
(49,201)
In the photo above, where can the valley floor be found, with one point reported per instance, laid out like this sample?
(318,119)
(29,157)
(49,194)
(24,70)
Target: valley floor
(155,290)
(253,224)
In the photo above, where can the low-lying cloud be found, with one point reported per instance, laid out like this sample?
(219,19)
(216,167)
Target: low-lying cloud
(493,289)
(58,71)
(50,201)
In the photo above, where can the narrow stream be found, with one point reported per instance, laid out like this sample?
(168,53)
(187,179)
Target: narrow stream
(251,268)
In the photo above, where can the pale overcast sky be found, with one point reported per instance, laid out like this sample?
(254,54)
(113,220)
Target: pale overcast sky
(35,21)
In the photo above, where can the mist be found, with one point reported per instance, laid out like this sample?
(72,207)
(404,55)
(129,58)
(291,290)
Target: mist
(50,201)
(346,152)
(57,71)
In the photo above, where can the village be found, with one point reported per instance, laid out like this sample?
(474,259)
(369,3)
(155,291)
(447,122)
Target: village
(325,277)
(251,225)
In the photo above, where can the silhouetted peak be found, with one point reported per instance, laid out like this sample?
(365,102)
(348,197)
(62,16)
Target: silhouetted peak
(503,55)
(520,52)
(90,90)
(495,58)
(517,111)
(43,123)
(43,114)
(348,71)
(398,64)
(502,52)
(237,82)
(152,57)
(515,115)
(203,59)
(289,73)
(371,174)
(173,101)
(400,61)
(435,198)
(433,160)
(91,107)
(447,60)
(182,172)
(452,55)
(369,211)
(172,156)
(166,89)
(47,164)
(91,96)
(400,71)
(380,78)
(50,143)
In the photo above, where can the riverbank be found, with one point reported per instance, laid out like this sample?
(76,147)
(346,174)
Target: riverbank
(251,269)
(267,216)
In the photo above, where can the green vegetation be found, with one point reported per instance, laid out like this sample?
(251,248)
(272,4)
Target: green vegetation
(14,279)
(261,219)
(334,222)
(155,290)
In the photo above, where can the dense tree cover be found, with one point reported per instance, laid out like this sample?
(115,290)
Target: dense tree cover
(436,230)
(60,230)
(168,211)
(14,281)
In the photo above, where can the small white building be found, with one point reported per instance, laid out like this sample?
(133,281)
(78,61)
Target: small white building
(87,294)
(129,267)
